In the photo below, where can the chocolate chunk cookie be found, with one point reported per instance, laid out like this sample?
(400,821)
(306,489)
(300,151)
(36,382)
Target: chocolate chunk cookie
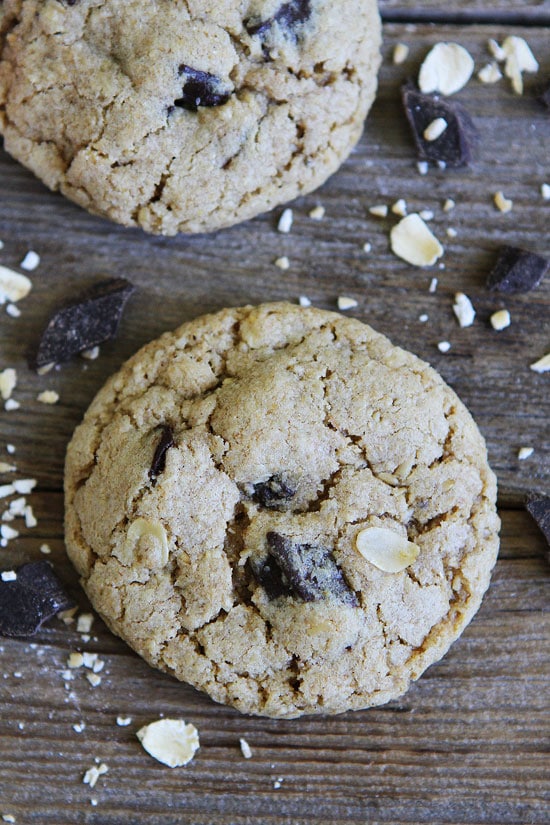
(185,117)
(280,507)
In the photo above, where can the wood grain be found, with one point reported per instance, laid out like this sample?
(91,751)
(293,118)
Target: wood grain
(467,744)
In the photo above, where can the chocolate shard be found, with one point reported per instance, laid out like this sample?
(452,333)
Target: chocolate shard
(456,144)
(88,320)
(159,458)
(35,596)
(200,89)
(517,270)
(538,506)
(289,17)
(273,492)
(304,571)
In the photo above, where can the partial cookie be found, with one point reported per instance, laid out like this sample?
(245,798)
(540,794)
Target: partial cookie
(185,117)
(280,507)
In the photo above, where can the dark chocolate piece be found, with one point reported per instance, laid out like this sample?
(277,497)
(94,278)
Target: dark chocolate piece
(517,270)
(538,506)
(304,571)
(289,17)
(273,492)
(200,89)
(159,458)
(84,322)
(456,145)
(34,597)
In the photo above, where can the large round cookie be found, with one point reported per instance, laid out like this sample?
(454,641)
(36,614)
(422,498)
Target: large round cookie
(224,482)
(185,116)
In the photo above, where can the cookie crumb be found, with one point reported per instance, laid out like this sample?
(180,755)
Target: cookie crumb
(13,311)
(423,318)
(496,51)
(422,167)
(317,213)
(7,468)
(10,449)
(525,452)
(412,241)
(545,191)
(48,397)
(45,368)
(502,203)
(93,679)
(8,382)
(75,660)
(304,301)
(400,207)
(400,53)
(11,405)
(45,549)
(346,303)
(123,721)
(519,59)
(448,205)
(282,262)
(92,774)
(13,285)
(542,365)
(8,533)
(426,215)
(433,285)
(30,261)
(435,129)
(444,346)
(447,68)
(245,749)
(285,221)
(367,247)
(170,741)
(24,486)
(464,310)
(8,818)
(500,319)
(490,73)
(90,354)
(8,576)
(79,727)
(380,210)
(451,232)
(84,623)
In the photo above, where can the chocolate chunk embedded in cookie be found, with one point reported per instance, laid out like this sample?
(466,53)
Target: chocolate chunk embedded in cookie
(280,507)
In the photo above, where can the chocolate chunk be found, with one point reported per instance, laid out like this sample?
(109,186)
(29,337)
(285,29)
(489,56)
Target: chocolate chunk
(516,270)
(273,492)
(289,17)
(455,146)
(304,571)
(539,508)
(31,599)
(159,458)
(200,89)
(84,322)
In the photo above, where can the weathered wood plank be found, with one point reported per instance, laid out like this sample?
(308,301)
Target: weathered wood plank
(525,12)
(466,744)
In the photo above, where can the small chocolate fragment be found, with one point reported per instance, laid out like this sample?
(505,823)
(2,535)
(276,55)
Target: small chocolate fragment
(84,322)
(538,506)
(31,599)
(289,17)
(456,145)
(159,458)
(200,89)
(273,492)
(304,571)
(516,270)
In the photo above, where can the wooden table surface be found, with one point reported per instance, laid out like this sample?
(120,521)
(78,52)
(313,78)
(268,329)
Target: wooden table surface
(468,743)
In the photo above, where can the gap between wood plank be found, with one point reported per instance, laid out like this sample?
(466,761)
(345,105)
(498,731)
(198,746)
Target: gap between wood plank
(465,18)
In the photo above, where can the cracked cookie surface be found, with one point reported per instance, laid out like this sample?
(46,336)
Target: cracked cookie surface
(185,116)
(216,489)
